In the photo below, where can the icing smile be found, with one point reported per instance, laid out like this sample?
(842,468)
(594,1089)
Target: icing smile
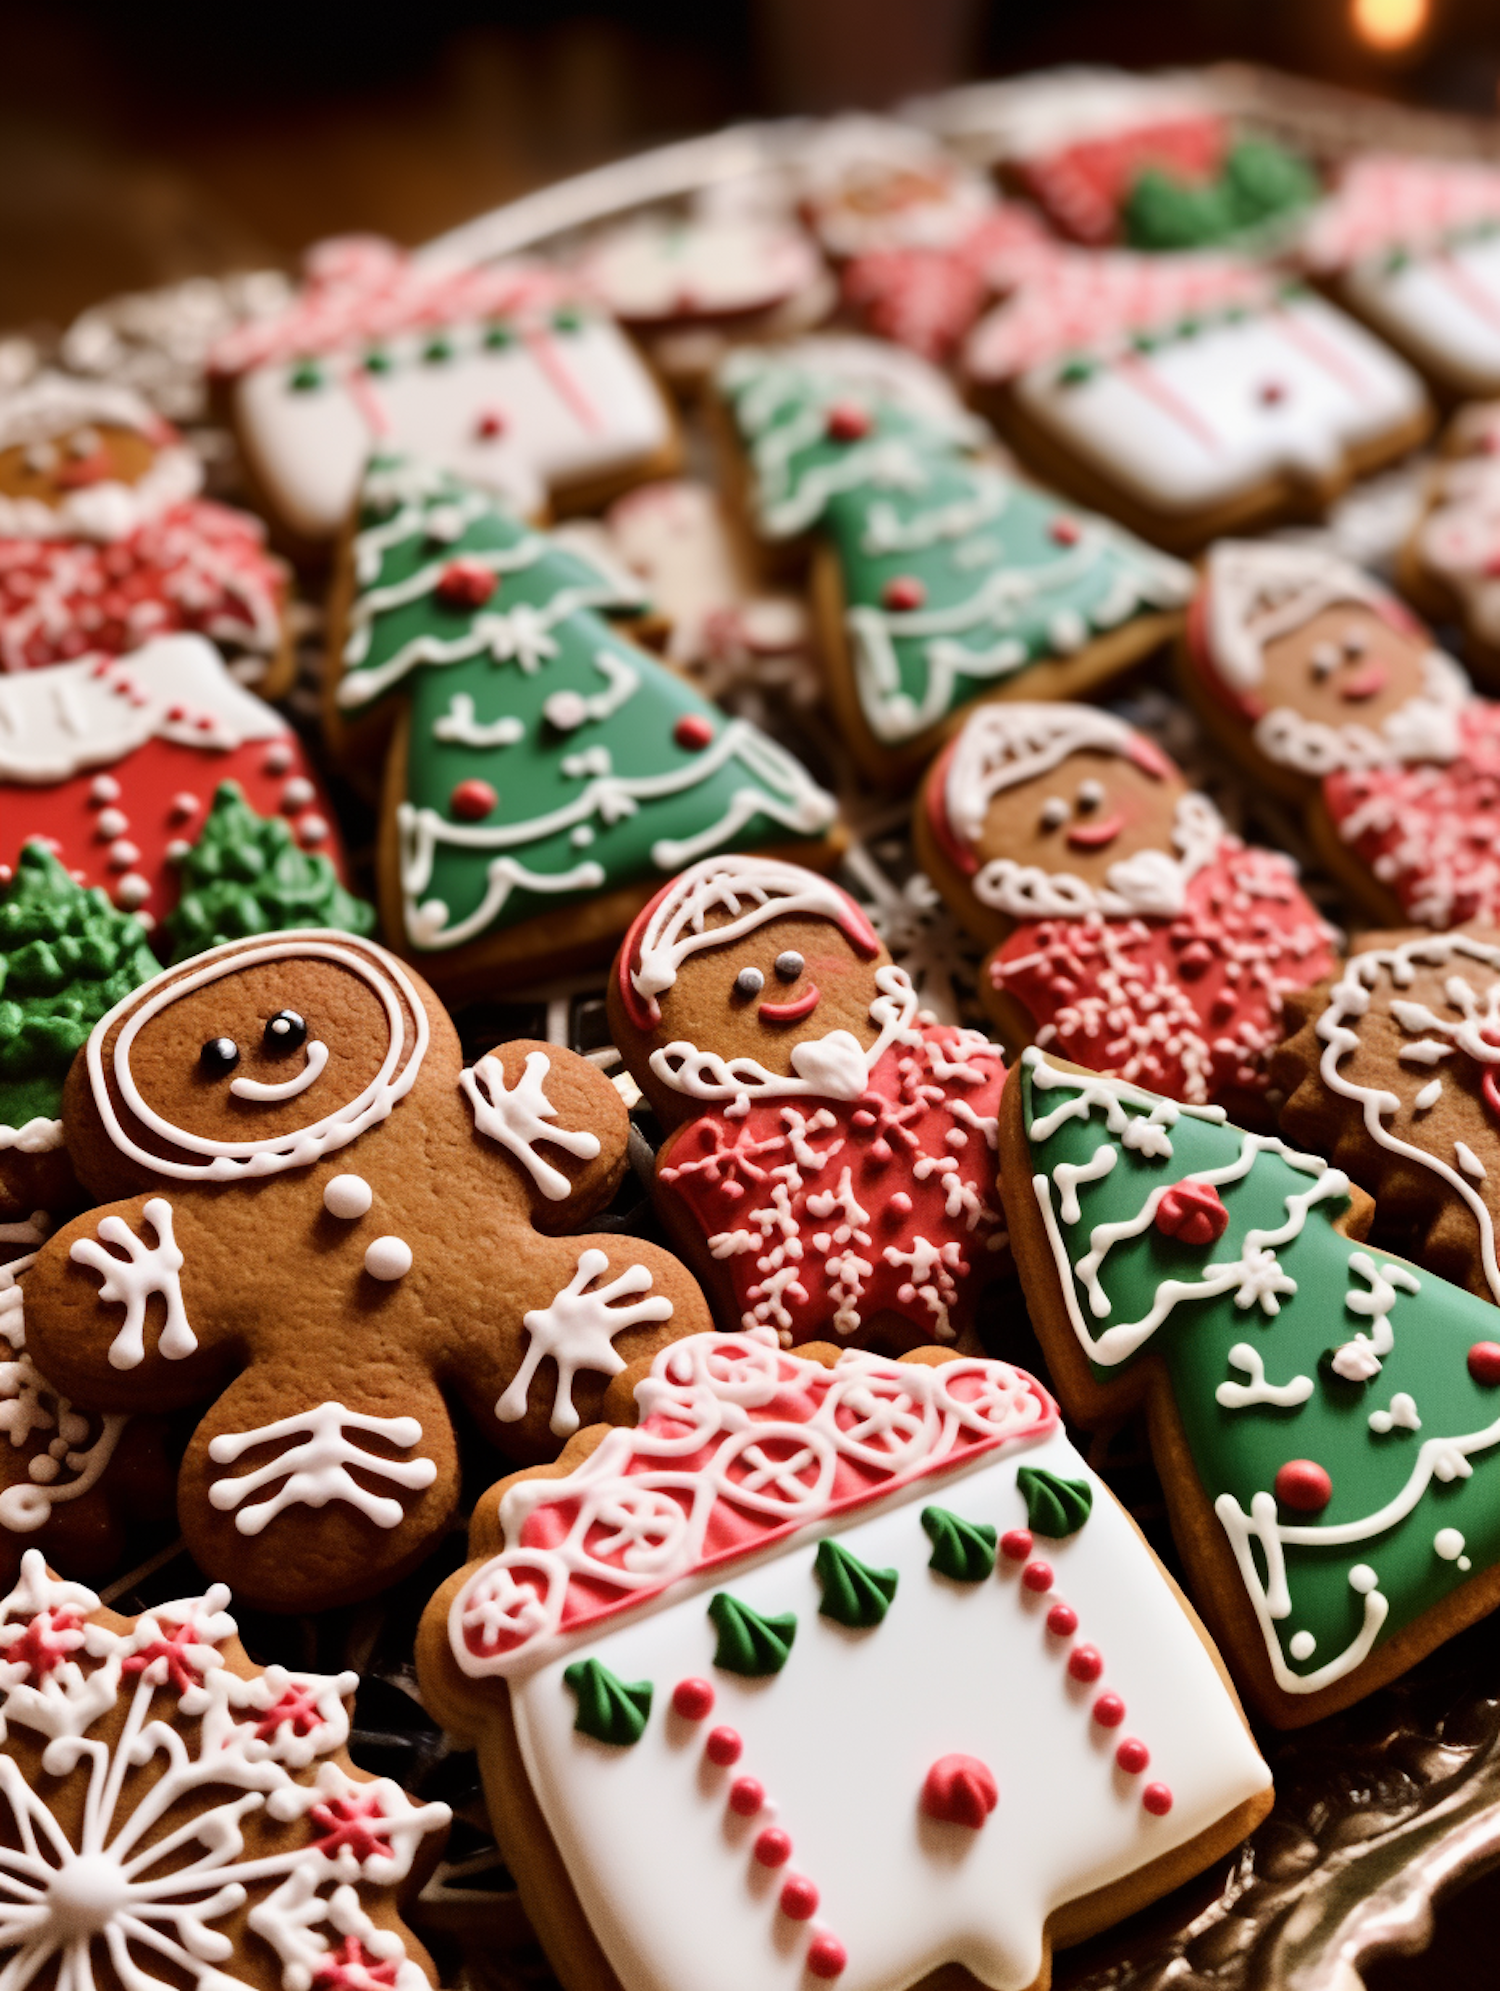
(1368,683)
(250,1088)
(794,1011)
(1094,836)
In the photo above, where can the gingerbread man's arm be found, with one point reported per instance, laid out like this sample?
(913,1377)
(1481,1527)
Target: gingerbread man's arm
(559,1120)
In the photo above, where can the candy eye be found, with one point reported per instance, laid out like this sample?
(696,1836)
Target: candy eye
(286,1031)
(84,442)
(1325,659)
(789,965)
(218,1056)
(41,457)
(1090,794)
(749,982)
(1055,813)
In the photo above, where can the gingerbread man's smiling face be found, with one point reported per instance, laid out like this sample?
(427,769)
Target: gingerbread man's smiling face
(1092,811)
(1345,664)
(49,471)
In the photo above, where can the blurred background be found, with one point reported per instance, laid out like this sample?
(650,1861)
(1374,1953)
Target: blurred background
(146,142)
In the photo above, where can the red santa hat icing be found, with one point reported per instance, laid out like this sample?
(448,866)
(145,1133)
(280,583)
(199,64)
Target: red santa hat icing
(739,1446)
(53,405)
(752,891)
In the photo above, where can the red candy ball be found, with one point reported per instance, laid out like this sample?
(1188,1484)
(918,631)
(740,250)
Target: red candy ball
(465,584)
(773,1847)
(799,1898)
(1193,1213)
(471,800)
(960,1790)
(1303,1486)
(1037,1576)
(723,1747)
(1157,1799)
(693,731)
(1109,1710)
(1064,531)
(1085,1662)
(847,422)
(826,1957)
(1484,1362)
(903,591)
(692,1699)
(1015,1544)
(1062,1621)
(746,1796)
(1132,1756)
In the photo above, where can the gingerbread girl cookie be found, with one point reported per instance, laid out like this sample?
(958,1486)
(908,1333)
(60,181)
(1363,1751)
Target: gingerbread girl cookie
(319,1224)
(1326,688)
(105,542)
(1131,932)
(829,1167)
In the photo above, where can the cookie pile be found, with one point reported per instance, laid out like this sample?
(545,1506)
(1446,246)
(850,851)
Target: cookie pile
(603,1070)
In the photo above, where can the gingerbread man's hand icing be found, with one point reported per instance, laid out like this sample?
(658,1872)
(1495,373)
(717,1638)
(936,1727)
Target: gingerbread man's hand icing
(324,1226)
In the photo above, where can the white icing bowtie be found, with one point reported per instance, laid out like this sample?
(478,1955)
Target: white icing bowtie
(834,1064)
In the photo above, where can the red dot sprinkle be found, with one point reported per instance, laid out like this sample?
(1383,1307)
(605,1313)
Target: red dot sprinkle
(723,1747)
(1085,1662)
(847,422)
(1109,1710)
(1484,1362)
(903,591)
(1015,1544)
(465,584)
(746,1796)
(1037,1576)
(490,424)
(1272,393)
(1192,1212)
(799,1898)
(1132,1756)
(1303,1486)
(1065,531)
(472,799)
(1157,1798)
(773,1847)
(1062,1621)
(692,1699)
(826,1957)
(693,731)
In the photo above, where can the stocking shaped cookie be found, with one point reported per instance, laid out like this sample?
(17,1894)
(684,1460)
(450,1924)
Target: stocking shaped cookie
(331,1225)
(1325,1417)
(830,1168)
(1326,688)
(105,543)
(1131,932)
(823,1806)
(177,1816)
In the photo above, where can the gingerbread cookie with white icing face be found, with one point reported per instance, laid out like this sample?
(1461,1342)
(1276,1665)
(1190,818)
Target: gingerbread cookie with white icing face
(106,544)
(1325,688)
(830,1165)
(1130,931)
(320,1225)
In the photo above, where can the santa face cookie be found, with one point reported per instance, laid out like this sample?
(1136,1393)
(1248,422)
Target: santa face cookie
(1189,396)
(939,578)
(830,1169)
(322,1223)
(1131,932)
(546,773)
(1325,687)
(870,183)
(1324,1416)
(179,1816)
(499,375)
(1450,565)
(105,543)
(815,1819)
(115,764)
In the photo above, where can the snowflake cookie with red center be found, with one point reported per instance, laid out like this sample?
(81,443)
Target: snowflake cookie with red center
(323,1225)
(1326,689)
(713,1621)
(180,1816)
(829,1166)
(1131,932)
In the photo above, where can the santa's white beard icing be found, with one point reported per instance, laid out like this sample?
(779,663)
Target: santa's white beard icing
(1149,884)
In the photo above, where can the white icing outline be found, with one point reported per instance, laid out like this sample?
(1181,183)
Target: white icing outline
(316,1471)
(519,1116)
(577,1330)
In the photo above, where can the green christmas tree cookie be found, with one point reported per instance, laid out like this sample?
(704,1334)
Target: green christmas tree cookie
(1331,1451)
(550,774)
(247,874)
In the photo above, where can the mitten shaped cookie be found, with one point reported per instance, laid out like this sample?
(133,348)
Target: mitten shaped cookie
(830,1164)
(1324,687)
(823,1804)
(176,1816)
(1131,932)
(324,1224)
(1325,1416)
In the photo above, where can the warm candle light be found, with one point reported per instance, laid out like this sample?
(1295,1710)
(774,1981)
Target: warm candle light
(1389,24)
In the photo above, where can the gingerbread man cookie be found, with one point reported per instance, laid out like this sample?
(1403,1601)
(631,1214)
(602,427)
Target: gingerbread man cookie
(321,1224)
(1326,688)
(1131,932)
(105,542)
(830,1165)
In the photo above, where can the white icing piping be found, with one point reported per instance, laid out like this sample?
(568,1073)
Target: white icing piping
(1151,884)
(288,1088)
(766,887)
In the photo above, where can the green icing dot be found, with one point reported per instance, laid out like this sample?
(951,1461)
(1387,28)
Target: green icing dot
(378,361)
(749,1643)
(247,874)
(306,376)
(853,1593)
(67,956)
(963,1550)
(1074,372)
(568,319)
(1054,1506)
(437,350)
(610,1710)
(498,338)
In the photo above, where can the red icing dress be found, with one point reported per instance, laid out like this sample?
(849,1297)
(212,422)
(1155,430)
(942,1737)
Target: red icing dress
(826,1213)
(1188,1006)
(1431,832)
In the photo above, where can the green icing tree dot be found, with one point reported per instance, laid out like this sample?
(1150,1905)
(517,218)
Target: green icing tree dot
(609,1709)
(1054,1506)
(749,1643)
(307,376)
(853,1593)
(67,956)
(962,1550)
(247,874)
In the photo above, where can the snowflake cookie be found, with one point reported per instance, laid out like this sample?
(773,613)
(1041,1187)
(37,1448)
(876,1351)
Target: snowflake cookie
(1131,932)
(721,1634)
(323,1225)
(180,1816)
(830,1164)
